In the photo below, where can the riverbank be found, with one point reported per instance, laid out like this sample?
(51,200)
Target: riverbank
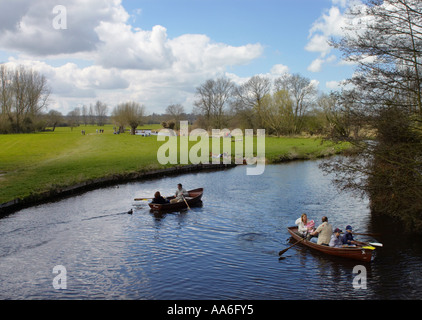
(61,192)
(44,166)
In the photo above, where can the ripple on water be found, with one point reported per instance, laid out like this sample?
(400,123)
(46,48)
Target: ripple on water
(226,249)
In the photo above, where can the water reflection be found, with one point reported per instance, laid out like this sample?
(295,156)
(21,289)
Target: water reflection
(225,249)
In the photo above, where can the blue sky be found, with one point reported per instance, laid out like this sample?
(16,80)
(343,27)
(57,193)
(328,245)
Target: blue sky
(157,52)
(281,26)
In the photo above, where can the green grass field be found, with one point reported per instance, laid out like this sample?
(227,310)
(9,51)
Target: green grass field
(35,163)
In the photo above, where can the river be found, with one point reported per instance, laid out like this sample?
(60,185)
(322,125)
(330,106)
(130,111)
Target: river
(225,249)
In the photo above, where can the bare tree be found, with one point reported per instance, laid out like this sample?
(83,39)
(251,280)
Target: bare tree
(24,94)
(302,92)
(73,118)
(213,98)
(84,114)
(129,113)
(91,115)
(249,99)
(175,111)
(54,118)
(100,112)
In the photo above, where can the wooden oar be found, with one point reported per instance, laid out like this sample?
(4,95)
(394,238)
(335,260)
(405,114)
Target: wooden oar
(367,234)
(185,201)
(142,199)
(373,244)
(283,251)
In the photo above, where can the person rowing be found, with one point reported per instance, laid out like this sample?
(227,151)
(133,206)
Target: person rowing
(324,232)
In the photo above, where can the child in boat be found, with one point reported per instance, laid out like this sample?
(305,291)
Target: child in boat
(336,239)
(347,238)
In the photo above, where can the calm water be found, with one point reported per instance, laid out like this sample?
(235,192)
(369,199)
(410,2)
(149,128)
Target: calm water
(226,249)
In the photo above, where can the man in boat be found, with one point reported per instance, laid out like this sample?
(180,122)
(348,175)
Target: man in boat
(348,237)
(336,239)
(324,232)
(159,199)
(180,193)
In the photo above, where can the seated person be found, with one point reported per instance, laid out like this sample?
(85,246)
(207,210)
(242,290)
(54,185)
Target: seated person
(348,237)
(324,232)
(304,226)
(301,224)
(159,199)
(336,240)
(180,194)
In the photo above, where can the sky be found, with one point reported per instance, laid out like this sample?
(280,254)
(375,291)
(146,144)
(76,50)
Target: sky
(157,52)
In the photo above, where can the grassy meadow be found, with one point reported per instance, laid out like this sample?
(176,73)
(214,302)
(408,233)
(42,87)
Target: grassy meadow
(35,163)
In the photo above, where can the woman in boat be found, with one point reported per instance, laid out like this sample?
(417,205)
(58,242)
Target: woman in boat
(301,224)
(159,199)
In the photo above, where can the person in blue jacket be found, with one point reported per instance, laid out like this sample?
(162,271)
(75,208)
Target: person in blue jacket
(348,236)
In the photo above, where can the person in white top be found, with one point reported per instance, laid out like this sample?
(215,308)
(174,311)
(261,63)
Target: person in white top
(180,193)
(301,224)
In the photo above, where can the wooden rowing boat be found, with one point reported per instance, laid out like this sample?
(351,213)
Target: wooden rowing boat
(193,199)
(362,253)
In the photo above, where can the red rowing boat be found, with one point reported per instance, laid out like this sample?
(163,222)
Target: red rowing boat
(362,253)
(193,199)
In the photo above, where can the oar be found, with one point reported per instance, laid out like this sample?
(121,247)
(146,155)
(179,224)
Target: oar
(142,199)
(374,244)
(185,201)
(367,234)
(283,251)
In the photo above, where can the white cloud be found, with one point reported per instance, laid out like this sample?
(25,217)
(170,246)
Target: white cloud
(319,43)
(329,25)
(333,85)
(29,28)
(316,65)
(314,83)
(279,69)
(119,62)
(137,49)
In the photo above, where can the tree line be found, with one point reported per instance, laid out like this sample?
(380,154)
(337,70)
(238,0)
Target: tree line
(289,105)
(24,96)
